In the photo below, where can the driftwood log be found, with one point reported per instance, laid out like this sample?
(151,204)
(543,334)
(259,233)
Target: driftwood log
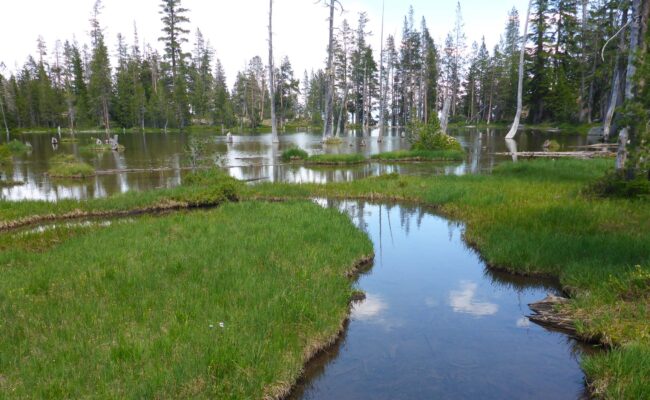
(547,313)
(558,154)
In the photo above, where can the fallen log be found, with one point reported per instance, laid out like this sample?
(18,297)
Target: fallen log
(548,313)
(558,154)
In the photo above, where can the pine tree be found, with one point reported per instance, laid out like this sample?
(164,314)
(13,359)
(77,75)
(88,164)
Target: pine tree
(100,83)
(174,35)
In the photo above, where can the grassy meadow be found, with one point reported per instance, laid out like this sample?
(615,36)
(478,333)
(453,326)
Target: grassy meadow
(225,303)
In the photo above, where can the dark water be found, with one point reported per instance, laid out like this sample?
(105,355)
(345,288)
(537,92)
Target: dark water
(252,158)
(437,324)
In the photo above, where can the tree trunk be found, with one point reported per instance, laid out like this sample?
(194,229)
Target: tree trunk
(274,127)
(381,80)
(607,122)
(329,107)
(583,75)
(639,21)
(4,118)
(343,109)
(444,121)
(520,86)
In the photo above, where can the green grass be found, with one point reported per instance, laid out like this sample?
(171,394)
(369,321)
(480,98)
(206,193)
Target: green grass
(134,310)
(333,140)
(336,159)
(201,189)
(294,154)
(532,218)
(13,147)
(419,155)
(67,166)
(100,148)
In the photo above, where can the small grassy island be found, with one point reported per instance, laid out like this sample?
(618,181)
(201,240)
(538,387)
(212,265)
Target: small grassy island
(69,167)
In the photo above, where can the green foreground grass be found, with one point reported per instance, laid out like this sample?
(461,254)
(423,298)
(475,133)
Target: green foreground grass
(419,156)
(226,303)
(533,218)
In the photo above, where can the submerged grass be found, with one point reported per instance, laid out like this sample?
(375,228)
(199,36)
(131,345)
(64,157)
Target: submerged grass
(419,155)
(225,303)
(336,159)
(533,218)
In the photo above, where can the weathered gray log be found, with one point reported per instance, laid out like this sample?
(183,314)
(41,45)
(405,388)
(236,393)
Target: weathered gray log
(557,154)
(548,313)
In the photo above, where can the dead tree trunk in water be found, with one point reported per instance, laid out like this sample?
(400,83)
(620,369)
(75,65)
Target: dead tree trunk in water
(382,99)
(274,126)
(520,86)
(444,120)
(329,107)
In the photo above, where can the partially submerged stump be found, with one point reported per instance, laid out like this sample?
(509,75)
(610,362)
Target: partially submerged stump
(547,313)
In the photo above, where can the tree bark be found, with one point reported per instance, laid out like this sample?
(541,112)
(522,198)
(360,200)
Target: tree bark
(4,118)
(444,121)
(381,80)
(274,126)
(520,86)
(327,131)
(607,123)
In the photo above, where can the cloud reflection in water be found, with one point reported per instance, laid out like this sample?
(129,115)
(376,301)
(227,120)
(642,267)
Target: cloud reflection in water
(464,301)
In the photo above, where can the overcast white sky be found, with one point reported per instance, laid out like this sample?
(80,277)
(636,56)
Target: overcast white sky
(238,29)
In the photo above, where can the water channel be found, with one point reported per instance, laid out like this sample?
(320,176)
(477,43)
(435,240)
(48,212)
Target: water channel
(438,324)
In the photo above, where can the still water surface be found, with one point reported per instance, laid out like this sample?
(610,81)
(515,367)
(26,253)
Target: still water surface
(252,158)
(437,324)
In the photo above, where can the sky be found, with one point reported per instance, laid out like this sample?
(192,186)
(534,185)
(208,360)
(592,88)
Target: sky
(238,29)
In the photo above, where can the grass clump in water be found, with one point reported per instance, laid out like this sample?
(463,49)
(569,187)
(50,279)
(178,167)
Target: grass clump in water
(333,140)
(336,159)
(420,155)
(68,166)
(17,147)
(213,304)
(294,154)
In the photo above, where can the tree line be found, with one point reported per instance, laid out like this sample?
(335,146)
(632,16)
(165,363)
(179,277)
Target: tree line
(575,66)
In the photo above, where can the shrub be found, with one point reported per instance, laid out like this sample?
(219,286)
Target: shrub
(17,147)
(615,185)
(430,137)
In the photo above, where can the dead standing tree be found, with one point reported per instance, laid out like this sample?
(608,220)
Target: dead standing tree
(274,124)
(520,86)
(329,98)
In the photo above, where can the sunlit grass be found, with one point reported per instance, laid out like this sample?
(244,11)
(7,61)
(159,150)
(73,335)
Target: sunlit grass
(420,155)
(210,304)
